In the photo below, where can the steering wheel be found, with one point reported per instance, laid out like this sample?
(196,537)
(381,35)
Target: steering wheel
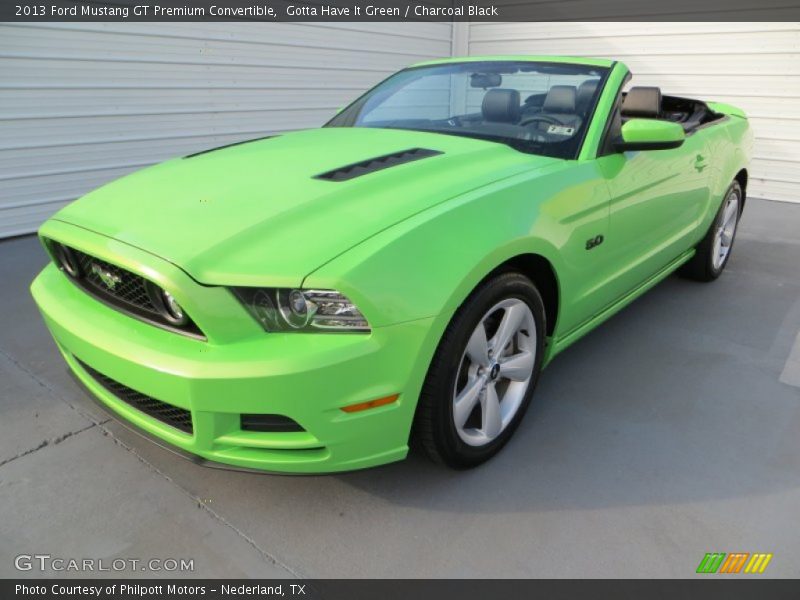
(543,118)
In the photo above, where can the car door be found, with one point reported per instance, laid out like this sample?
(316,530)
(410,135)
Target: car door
(657,199)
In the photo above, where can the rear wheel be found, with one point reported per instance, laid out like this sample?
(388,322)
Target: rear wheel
(483,373)
(714,251)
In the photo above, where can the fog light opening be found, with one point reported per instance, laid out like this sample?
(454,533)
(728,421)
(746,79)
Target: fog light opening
(268,423)
(167,306)
(173,308)
(67,260)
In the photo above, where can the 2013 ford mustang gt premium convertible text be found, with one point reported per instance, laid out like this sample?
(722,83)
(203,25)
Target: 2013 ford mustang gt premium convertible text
(316,301)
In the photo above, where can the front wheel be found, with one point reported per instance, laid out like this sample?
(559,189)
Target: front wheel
(483,374)
(714,249)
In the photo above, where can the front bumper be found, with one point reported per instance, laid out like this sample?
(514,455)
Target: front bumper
(306,377)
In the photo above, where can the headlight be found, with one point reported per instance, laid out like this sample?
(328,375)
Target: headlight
(281,309)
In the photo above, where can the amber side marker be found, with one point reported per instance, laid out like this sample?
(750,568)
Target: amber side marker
(371,404)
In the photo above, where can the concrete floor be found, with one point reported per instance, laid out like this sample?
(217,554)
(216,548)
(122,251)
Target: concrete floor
(671,431)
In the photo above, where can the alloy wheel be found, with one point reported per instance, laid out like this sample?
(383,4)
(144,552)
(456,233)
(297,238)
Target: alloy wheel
(495,372)
(723,236)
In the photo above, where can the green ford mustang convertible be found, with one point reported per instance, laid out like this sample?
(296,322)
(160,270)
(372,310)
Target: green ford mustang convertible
(317,301)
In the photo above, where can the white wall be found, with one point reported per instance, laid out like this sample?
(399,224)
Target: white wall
(82,104)
(755,66)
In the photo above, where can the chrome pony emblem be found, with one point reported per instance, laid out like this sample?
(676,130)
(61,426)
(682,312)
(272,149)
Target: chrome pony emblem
(109,279)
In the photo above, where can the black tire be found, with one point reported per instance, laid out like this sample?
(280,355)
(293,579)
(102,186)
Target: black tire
(434,429)
(702,267)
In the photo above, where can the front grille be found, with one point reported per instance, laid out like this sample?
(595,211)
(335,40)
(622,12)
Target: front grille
(122,290)
(130,288)
(173,416)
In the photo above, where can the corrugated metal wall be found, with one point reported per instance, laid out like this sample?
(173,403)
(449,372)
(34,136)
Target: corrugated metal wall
(755,66)
(82,104)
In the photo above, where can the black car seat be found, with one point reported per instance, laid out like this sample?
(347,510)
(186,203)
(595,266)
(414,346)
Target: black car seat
(501,112)
(501,106)
(642,103)
(583,100)
(560,107)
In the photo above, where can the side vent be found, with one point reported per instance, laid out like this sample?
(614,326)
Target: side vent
(365,167)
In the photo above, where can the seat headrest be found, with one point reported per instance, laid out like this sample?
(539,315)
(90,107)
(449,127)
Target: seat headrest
(501,106)
(560,99)
(642,102)
(586,91)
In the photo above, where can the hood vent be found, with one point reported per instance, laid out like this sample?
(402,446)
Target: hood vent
(365,167)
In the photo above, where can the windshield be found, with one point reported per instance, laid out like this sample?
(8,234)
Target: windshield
(534,107)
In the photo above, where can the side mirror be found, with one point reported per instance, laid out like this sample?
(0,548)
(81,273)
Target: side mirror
(650,134)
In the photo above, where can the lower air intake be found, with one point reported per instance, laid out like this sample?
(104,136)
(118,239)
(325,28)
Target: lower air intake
(269,423)
(173,416)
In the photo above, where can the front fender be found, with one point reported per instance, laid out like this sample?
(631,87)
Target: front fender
(427,265)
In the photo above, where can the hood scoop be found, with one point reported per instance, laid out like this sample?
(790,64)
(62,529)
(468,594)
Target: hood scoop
(365,167)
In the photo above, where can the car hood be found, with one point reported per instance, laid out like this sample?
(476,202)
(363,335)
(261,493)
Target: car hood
(255,214)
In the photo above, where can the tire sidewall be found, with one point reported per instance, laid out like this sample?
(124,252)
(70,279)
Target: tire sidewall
(506,286)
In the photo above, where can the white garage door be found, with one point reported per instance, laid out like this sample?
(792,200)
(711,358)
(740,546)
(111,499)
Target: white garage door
(755,66)
(81,104)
